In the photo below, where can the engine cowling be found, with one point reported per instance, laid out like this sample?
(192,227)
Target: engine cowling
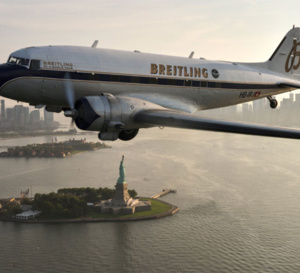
(111,115)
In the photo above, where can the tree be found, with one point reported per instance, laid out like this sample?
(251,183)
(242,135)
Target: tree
(106,193)
(58,205)
(12,208)
(132,193)
(26,201)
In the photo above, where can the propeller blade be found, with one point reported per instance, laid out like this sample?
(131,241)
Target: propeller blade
(72,124)
(70,96)
(69,91)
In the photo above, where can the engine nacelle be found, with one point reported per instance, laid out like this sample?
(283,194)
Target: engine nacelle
(112,116)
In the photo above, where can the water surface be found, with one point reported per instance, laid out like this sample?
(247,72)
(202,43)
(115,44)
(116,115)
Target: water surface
(238,198)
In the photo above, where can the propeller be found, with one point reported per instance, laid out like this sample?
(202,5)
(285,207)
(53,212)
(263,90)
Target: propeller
(70,97)
(69,90)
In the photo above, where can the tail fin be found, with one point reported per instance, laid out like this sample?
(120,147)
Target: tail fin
(286,58)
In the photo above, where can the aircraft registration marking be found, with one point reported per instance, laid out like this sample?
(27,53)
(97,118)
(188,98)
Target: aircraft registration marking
(250,94)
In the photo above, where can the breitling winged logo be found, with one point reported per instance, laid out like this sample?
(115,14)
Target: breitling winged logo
(293,59)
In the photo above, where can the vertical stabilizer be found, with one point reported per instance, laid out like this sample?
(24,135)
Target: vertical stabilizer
(286,58)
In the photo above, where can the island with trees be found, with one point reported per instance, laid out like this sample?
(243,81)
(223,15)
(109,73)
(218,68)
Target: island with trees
(71,202)
(75,205)
(54,149)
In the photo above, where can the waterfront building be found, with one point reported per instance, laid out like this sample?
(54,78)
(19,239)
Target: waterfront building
(10,114)
(30,214)
(21,115)
(260,105)
(3,116)
(34,116)
(48,117)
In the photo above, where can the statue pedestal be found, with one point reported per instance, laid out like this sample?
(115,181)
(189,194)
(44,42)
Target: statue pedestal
(122,196)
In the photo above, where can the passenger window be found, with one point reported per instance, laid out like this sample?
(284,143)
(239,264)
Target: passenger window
(35,64)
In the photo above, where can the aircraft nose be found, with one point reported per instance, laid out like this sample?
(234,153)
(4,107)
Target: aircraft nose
(1,75)
(9,72)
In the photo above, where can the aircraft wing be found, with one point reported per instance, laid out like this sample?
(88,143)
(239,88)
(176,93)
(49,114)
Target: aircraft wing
(171,118)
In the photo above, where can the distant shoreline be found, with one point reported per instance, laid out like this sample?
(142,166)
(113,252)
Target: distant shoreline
(53,150)
(13,135)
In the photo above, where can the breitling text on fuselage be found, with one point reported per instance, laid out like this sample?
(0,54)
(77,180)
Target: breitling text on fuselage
(177,70)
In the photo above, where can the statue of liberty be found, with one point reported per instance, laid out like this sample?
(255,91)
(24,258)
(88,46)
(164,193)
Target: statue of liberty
(121,179)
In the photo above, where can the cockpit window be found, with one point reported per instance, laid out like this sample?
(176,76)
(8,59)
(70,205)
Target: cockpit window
(18,61)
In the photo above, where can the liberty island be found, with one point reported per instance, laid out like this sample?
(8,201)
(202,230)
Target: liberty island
(85,207)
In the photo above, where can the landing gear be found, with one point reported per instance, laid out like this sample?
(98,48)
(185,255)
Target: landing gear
(273,102)
(128,134)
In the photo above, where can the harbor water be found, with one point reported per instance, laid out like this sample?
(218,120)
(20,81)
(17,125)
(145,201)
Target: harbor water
(239,200)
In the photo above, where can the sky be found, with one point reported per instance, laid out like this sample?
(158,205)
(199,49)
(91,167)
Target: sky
(233,30)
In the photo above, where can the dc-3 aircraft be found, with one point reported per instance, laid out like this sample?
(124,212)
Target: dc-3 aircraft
(116,92)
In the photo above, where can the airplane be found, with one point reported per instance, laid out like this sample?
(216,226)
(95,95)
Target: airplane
(118,92)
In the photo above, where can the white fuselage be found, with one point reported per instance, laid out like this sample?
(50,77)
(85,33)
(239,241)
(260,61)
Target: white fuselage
(173,82)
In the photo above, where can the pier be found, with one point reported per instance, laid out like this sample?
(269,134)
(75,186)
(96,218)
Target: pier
(164,192)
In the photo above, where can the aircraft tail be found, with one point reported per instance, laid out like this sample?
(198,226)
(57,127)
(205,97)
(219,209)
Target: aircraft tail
(286,57)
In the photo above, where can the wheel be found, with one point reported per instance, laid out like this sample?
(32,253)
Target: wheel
(273,103)
(128,134)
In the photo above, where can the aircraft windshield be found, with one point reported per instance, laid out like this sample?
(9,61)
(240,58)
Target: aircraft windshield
(18,61)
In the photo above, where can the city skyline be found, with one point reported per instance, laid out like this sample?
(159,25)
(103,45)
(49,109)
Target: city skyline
(259,111)
(20,117)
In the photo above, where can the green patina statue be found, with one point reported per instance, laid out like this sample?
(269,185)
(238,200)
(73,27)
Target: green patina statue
(121,179)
